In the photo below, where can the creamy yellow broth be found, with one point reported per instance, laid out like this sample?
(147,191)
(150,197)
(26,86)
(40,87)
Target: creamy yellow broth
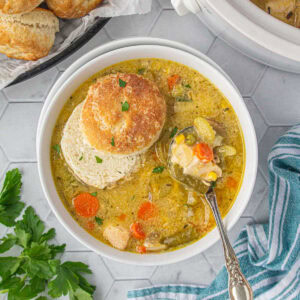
(170,198)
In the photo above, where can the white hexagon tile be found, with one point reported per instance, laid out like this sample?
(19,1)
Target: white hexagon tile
(192,32)
(279,89)
(20,122)
(137,25)
(125,271)
(34,89)
(244,71)
(99,39)
(264,90)
(194,270)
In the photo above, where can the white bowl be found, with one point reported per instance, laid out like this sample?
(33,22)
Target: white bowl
(86,71)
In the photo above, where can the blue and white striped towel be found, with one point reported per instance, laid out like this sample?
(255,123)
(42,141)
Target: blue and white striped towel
(269,254)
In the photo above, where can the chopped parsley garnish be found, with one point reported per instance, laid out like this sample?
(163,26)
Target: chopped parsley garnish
(122,83)
(183,99)
(125,106)
(99,221)
(173,132)
(158,169)
(94,194)
(56,148)
(141,71)
(81,157)
(213,184)
(98,160)
(112,141)
(187,86)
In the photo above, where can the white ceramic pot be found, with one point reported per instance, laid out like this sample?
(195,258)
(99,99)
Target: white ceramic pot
(70,85)
(249,29)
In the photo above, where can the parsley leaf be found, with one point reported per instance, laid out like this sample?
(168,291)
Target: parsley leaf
(125,106)
(81,157)
(112,141)
(94,194)
(99,221)
(141,71)
(8,266)
(187,86)
(183,99)
(98,160)
(158,169)
(56,148)
(7,242)
(30,226)
(122,83)
(173,132)
(10,204)
(213,184)
(70,280)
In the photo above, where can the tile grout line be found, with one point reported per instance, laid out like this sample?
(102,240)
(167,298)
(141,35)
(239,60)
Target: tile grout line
(258,80)
(210,265)
(106,266)
(211,46)
(149,31)
(109,272)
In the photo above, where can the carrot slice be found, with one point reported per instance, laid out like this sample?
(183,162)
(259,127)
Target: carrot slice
(90,225)
(147,211)
(141,249)
(86,205)
(122,217)
(203,152)
(173,80)
(137,231)
(231,182)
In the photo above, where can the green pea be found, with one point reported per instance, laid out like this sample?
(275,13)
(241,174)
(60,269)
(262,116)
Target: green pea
(190,139)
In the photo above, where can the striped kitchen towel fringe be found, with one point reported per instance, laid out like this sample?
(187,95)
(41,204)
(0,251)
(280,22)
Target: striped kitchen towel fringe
(269,254)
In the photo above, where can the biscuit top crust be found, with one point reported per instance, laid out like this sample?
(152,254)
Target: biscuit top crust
(123,114)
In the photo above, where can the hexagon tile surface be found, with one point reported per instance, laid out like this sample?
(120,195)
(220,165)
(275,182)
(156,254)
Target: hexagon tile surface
(20,122)
(190,26)
(272,98)
(244,71)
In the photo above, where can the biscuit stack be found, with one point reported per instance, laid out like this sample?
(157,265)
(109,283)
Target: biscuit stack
(28,32)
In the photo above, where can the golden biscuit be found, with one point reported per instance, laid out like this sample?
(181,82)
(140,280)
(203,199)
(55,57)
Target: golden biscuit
(123,114)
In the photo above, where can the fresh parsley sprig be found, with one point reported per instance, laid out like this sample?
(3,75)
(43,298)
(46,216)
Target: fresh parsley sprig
(10,204)
(36,267)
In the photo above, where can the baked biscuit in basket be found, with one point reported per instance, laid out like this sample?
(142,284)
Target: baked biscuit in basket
(18,6)
(70,9)
(28,36)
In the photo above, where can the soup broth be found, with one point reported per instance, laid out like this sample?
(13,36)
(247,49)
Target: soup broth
(179,214)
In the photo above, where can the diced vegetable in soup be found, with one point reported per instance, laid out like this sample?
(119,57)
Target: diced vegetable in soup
(146,210)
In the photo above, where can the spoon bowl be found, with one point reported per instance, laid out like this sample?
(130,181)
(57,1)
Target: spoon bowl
(190,182)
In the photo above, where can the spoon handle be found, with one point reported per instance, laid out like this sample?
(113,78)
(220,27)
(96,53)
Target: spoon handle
(238,286)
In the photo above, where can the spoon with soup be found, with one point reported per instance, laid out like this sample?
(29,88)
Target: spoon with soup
(195,158)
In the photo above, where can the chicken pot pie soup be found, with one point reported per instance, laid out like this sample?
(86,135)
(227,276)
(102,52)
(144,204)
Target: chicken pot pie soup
(109,155)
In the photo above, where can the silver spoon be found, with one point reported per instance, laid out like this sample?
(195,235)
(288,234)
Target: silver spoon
(238,286)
